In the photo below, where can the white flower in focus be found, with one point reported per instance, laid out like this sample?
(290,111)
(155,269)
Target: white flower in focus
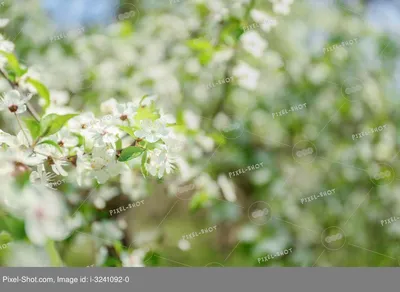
(65,138)
(161,161)
(22,158)
(152,131)
(55,159)
(14,102)
(135,259)
(45,215)
(247,76)
(80,124)
(102,134)
(125,113)
(254,43)
(101,164)
(42,177)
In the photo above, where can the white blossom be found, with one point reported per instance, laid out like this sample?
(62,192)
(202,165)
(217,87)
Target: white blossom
(14,102)
(161,161)
(100,164)
(152,131)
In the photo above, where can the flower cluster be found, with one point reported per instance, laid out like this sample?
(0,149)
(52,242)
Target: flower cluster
(80,147)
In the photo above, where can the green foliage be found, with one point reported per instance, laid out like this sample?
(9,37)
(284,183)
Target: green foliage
(33,127)
(53,123)
(130,153)
(42,90)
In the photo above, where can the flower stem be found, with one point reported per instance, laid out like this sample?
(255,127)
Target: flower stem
(32,111)
(22,129)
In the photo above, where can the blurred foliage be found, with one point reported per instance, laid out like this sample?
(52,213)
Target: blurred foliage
(175,50)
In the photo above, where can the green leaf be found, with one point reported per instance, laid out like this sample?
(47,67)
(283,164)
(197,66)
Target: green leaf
(143,165)
(13,63)
(42,91)
(145,113)
(33,127)
(118,247)
(118,144)
(55,258)
(52,143)
(128,130)
(52,123)
(130,153)
(143,98)
(81,139)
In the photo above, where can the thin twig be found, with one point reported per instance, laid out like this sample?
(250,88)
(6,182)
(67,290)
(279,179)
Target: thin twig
(33,112)
(22,129)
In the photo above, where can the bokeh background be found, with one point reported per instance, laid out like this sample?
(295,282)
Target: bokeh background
(96,50)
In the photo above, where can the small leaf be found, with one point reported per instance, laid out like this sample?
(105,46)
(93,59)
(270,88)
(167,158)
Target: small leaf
(52,123)
(130,153)
(42,91)
(118,247)
(13,63)
(33,127)
(143,98)
(128,130)
(144,113)
(118,144)
(81,139)
(52,143)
